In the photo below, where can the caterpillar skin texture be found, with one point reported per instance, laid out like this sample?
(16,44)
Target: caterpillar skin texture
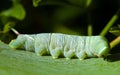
(57,44)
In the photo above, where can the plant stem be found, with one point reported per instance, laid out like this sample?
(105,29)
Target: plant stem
(88,2)
(90,26)
(115,42)
(109,24)
(89,30)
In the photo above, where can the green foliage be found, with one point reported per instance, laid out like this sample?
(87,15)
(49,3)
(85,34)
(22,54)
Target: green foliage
(8,19)
(36,2)
(115,30)
(83,3)
(17,11)
(8,27)
(80,3)
(88,2)
(110,23)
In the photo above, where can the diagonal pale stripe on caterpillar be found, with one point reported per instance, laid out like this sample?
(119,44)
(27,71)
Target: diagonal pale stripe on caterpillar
(57,44)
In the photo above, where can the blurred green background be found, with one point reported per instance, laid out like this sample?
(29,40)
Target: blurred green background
(62,16)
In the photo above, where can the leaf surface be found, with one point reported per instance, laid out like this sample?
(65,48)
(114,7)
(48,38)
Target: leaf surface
(19,62)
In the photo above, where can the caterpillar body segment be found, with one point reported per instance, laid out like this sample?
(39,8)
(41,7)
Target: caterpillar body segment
(70,46)
(57,44)
(41,45)
(80,50)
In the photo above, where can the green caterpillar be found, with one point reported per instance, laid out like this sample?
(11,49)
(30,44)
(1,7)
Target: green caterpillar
(57,44)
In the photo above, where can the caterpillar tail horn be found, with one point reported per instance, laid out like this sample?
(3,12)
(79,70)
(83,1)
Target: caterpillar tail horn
(15,31)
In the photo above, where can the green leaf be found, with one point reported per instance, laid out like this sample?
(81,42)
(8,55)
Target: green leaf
(80,3)
(88,2)
(17,11)
(8,27)
(115,30)
(83,3)
(52,2)
(17,62)
(36,2)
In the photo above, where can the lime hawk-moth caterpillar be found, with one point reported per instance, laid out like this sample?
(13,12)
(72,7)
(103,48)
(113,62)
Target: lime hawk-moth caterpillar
(57,44)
